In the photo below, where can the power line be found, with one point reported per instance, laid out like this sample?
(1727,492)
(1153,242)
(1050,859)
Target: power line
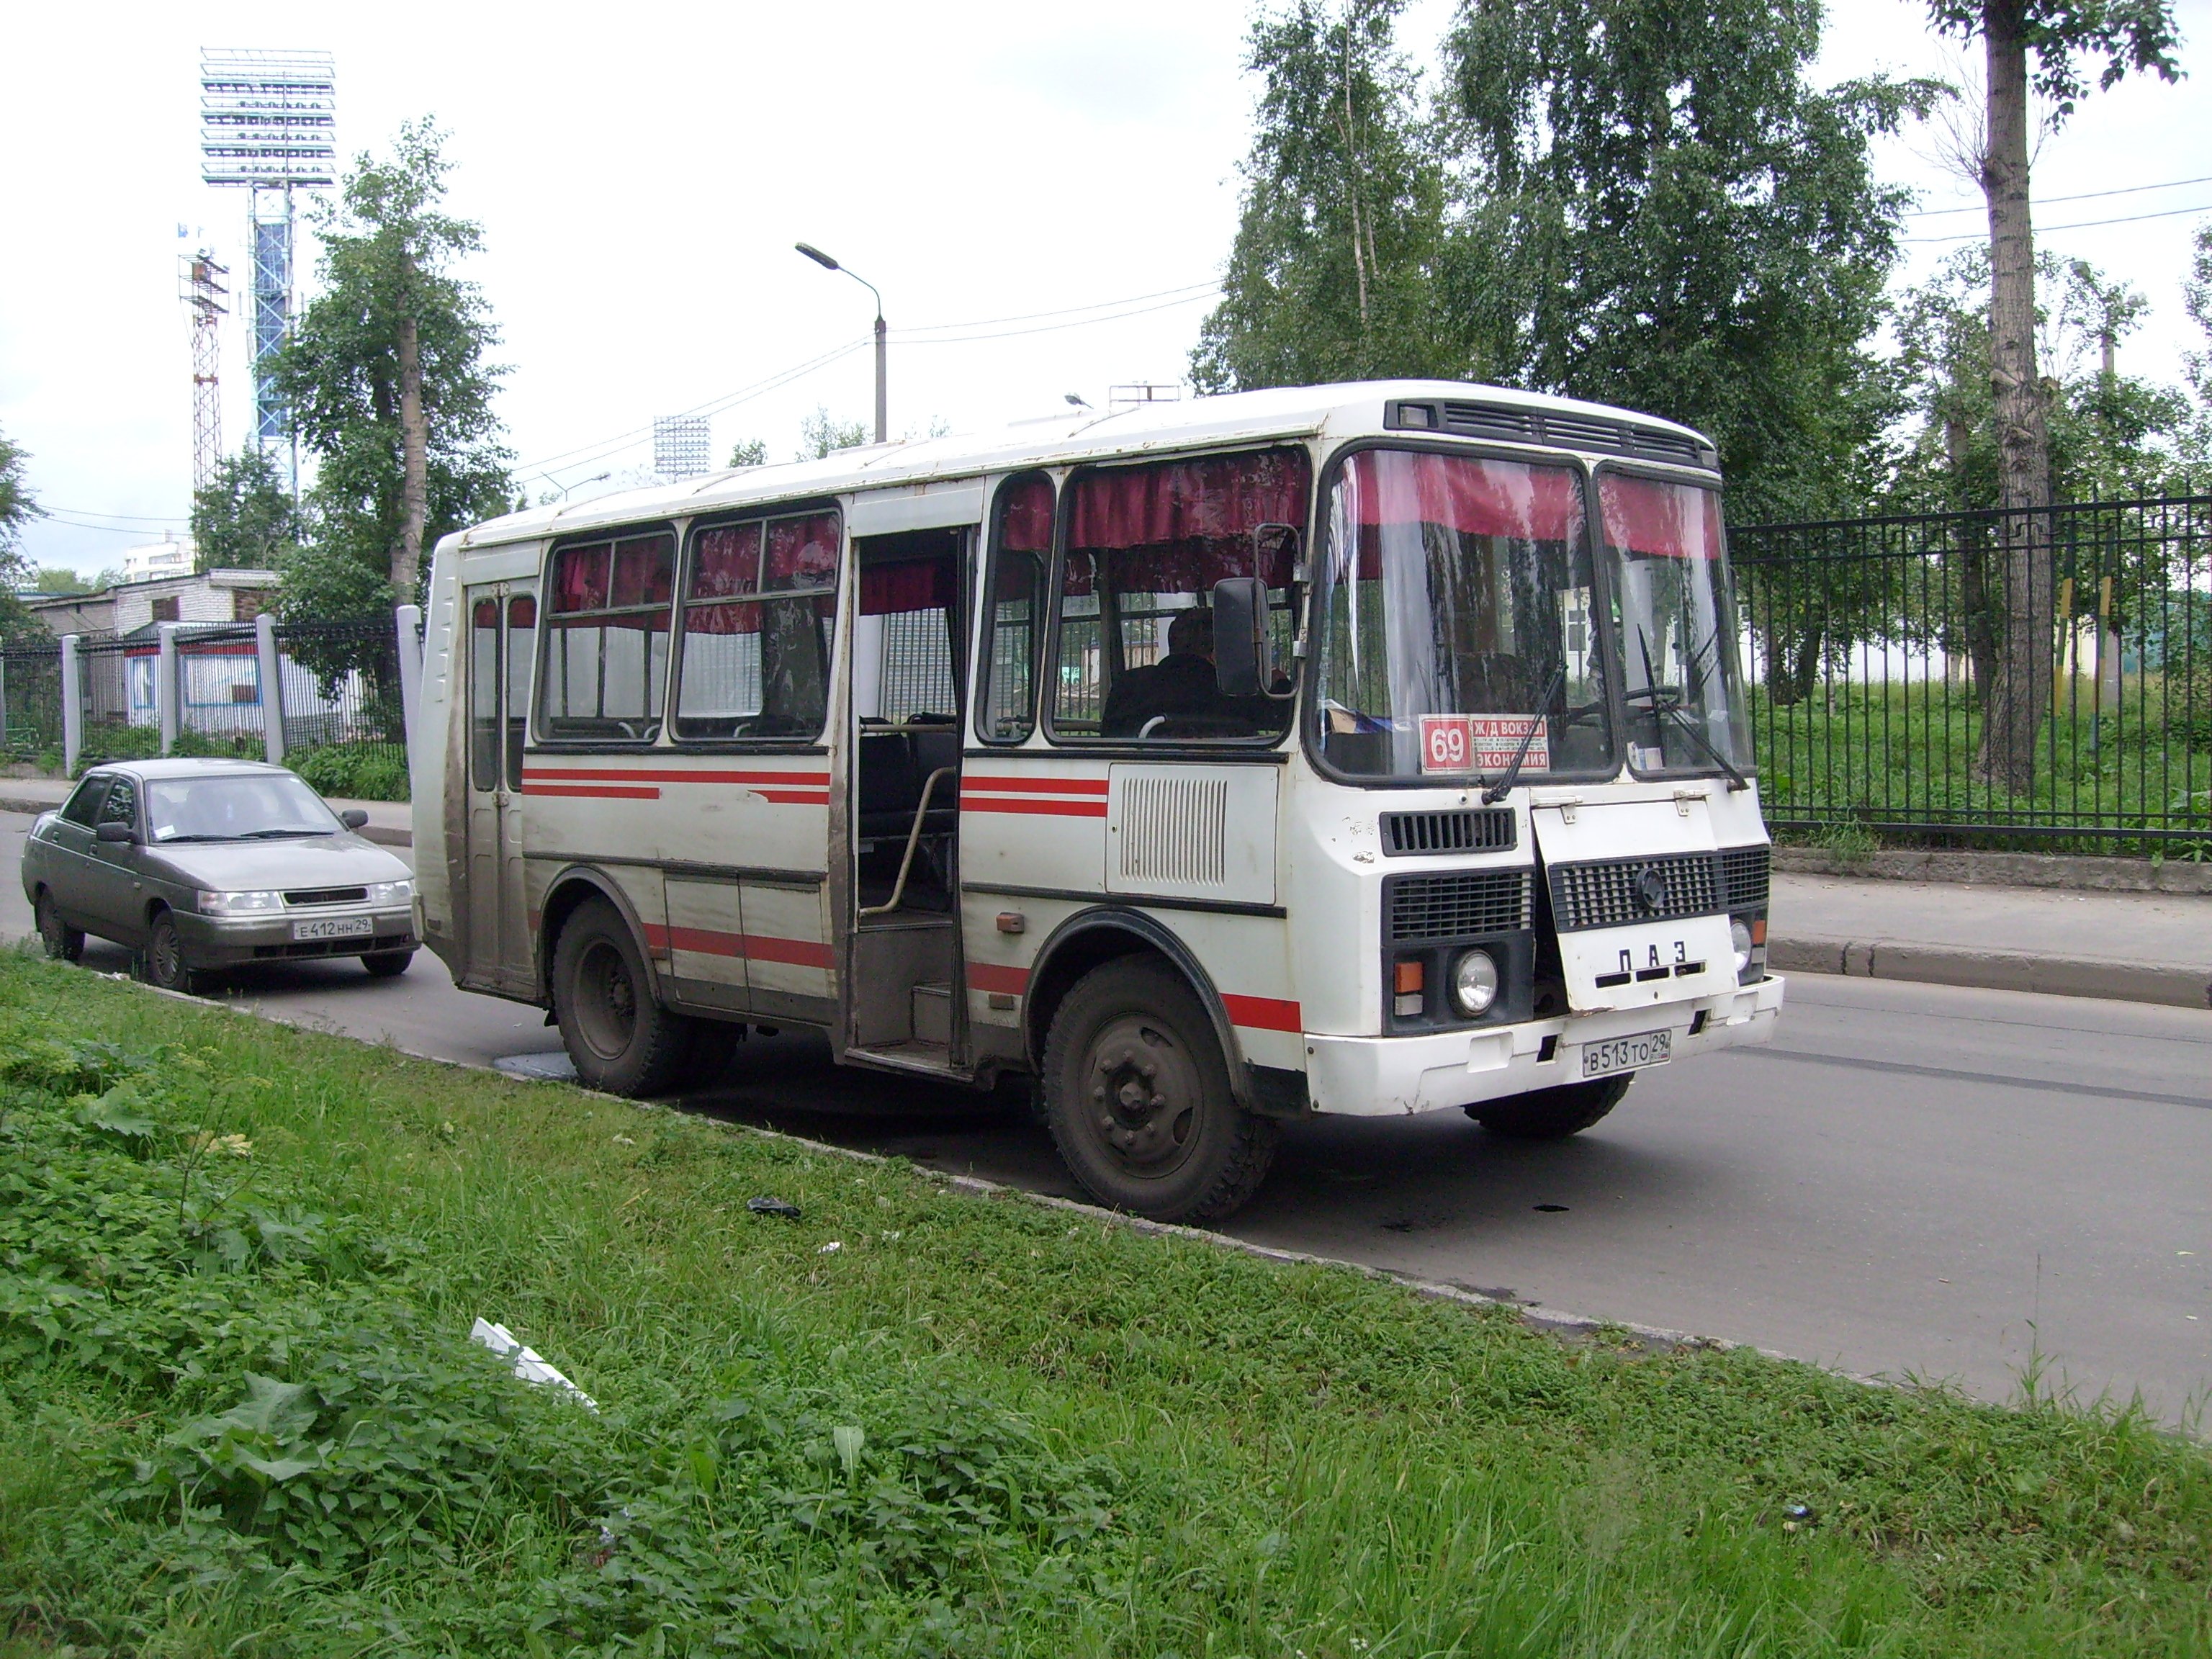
(1048,328)
(2053,201)
(2084,224)
(133,518)
(104,529)
(1210,286)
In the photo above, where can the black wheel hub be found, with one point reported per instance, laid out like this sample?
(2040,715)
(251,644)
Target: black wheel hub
(606,1000)
(1142,1097)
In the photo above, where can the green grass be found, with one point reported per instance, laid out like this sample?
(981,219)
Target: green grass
(1899,753)
(980,1427)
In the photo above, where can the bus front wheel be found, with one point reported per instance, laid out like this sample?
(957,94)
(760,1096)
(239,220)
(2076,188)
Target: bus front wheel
(1137,1096)
(622,1040)
(1552,1113)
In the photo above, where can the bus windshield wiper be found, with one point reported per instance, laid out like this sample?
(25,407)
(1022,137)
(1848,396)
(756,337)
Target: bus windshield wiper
(1504,786)
(1664,702)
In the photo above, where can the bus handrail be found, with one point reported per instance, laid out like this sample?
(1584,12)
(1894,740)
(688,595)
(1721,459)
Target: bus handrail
(913,841)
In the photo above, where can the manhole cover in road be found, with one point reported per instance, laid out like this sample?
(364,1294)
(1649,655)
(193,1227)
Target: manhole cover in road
(553,1067)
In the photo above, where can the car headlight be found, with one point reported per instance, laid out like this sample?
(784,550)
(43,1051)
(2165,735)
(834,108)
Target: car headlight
(240,904)
(1740,941)
(1475,981)
(391,893)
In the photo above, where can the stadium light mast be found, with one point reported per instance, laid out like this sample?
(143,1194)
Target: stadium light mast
(269,122)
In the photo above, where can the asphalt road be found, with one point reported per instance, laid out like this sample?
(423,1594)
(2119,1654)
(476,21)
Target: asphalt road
(1913,1180)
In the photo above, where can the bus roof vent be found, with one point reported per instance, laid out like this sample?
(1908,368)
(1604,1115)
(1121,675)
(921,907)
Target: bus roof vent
(1667,447)
(1490,830)
(1583,432)
(1475,420)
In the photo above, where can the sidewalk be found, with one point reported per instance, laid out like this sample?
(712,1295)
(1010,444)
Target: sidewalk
(391,822)
(2077,941)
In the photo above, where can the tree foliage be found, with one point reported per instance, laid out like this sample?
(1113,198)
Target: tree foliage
(1625,200)
(245,519)
(1332,274)
(387,268)
(18,508)
(2059,34)
(820,435)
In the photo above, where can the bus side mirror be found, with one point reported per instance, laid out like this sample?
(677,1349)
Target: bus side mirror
(1243,663)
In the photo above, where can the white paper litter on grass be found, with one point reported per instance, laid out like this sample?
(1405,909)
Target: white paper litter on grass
(529,1364)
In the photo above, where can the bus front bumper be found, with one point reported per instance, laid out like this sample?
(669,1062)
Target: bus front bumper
(1375,1077)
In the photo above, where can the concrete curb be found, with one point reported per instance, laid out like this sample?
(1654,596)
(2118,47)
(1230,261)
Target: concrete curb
(1995,970)
(2075,875)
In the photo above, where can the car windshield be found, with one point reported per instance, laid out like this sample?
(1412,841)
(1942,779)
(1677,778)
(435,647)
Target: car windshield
(241,806)
(1453,621)
(1683,682)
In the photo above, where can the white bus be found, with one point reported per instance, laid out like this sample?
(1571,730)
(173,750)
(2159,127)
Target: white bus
(1373,748)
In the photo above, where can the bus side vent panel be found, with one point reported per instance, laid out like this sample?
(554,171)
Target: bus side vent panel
(1492,829)
(1743,877)
(1620,892)
(1469,906)
(1176,830)
(1474,420)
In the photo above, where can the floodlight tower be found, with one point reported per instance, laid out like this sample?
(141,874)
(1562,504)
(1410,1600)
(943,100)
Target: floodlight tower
(200,284)
(680,446)
(269,122)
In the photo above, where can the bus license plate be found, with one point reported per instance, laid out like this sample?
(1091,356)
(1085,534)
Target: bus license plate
(338,927)
(1626,1053)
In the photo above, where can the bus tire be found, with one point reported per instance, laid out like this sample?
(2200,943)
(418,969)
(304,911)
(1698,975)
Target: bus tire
(621,1039)
(1137,1096)
(1552,1113)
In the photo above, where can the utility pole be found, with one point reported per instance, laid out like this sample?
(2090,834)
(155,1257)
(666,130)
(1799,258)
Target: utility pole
(883,338)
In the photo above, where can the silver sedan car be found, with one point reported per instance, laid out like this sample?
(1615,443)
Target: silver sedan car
(202,865)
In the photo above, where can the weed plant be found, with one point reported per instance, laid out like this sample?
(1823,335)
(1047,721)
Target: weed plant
(241,1412)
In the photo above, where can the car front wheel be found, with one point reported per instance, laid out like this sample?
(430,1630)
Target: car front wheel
(166,965)
(64,943)
(1552,1113)
(620,1038)
(387,965)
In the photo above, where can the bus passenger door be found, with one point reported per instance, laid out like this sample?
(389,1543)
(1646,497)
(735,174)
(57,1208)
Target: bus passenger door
(502,640)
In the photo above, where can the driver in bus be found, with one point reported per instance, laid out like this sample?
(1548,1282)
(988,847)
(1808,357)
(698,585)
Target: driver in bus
(1181,687)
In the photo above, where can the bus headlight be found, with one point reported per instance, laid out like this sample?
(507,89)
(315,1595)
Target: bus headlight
(1740,941)
(1475,982)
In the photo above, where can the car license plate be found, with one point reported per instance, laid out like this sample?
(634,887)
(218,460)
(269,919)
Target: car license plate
(336,927)
(1626,1053)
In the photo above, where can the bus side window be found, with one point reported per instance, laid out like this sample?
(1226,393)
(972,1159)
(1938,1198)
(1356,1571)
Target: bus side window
(484,695)
(1144,548)
(758,608)
(606,647)
(1006,702)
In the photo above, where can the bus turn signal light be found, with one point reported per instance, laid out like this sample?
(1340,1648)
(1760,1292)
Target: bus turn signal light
(1408,980)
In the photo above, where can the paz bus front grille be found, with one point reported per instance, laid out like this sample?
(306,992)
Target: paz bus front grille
(1619,892)
(1465,905)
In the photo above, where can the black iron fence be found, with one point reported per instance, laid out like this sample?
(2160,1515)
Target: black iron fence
(31,701)
(1870,644)
(344,725)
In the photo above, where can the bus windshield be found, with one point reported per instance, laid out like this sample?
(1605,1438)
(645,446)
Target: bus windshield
(1682,682)
(1453,619)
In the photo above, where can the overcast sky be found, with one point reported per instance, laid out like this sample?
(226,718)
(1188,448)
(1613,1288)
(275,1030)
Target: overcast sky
(640,175)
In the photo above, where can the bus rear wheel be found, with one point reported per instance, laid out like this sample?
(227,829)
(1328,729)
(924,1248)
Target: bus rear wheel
(621,1039)
(1552,1113)
(1137,1096)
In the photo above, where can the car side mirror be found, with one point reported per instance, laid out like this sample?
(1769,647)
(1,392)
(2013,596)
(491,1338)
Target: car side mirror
(353,817)
(1243,663)
(122,834)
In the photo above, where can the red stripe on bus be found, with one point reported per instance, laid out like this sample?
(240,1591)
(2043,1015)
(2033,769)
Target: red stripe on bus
(590,792)
(655,775)
(795,796)
(1065,808)
(1263,1014)
(989,976)
(712,942)
(1034,786)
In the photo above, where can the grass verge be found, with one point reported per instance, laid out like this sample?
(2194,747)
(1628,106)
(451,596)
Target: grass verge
(240,1412)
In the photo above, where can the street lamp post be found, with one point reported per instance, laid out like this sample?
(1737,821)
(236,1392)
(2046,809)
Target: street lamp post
(883,349)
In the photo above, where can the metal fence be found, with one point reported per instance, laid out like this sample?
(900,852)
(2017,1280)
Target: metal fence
(1870,642)
(31,701)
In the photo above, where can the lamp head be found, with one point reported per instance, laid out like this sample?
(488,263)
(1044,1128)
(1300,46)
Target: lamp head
(817,255)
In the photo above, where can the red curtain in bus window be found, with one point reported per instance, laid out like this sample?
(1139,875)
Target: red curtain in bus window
(644,571)
(722,619)
(1660,519)
(1209,500)
(920,585)
(1025,516)
(521,613)
(801,552)
(726,562)
(580,578)
(1472,496)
